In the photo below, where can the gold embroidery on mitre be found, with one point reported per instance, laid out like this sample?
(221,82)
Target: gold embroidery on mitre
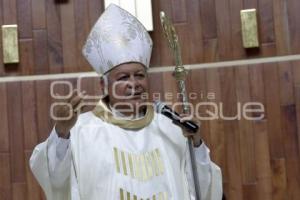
(141,167)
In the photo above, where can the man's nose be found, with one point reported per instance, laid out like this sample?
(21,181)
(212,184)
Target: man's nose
(133,82)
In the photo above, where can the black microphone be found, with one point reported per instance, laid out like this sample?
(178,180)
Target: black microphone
(188,125)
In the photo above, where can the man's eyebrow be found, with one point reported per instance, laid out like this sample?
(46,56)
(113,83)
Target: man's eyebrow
(141,70)
(120,73)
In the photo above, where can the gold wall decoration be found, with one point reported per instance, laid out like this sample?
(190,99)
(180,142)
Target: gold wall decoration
(249,28)
(10,44)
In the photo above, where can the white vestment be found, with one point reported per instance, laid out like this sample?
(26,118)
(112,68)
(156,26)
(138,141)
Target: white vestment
(103,161)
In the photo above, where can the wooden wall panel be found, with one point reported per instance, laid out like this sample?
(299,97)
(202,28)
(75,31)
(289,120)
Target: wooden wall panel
(54,40)
(29,110)
(179,11)
(19,191)
(1,56)
(43,99)
(68,37)
(208,30)
(197,80)
(289,128)
(217,133)
(27,57)
(232,153)
(9,11)
(194,32)
(279,180)
(95,10)
(40,46)
(248,4)
(38,14)
(33,189)
(82,29)
(281,27)
(208,19)
(224,42)
(261,146)
(266,21)
(4,133)
(296,81)
(245,127)
(5,177)
(24,18)
(238,50)
(155,35)
(262,161)
(15,125)
(294,25)
(273,109)
(290,147)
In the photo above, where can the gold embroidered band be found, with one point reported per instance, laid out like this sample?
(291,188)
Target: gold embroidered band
(142,167)
(129,196)
(103,112)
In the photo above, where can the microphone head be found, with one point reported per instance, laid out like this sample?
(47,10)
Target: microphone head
(158,106)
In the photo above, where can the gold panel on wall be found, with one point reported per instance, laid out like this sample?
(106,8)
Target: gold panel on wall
(249,28)
(10,44)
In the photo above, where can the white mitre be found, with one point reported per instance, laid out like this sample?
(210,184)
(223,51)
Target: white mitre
(117,37)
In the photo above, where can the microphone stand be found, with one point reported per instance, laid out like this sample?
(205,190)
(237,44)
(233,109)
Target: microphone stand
(180,75)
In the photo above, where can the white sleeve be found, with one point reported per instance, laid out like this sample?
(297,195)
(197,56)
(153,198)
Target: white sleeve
(50,163)
(209,174)
(59,158)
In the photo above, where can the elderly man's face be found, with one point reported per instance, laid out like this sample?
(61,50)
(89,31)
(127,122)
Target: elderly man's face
(127,85)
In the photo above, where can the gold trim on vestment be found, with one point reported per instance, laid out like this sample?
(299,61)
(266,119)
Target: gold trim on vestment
(142,167)
(157,196)
(117,159)
(104,113)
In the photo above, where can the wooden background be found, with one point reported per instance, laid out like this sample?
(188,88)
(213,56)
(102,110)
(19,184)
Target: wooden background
(52,32)
(259,159)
